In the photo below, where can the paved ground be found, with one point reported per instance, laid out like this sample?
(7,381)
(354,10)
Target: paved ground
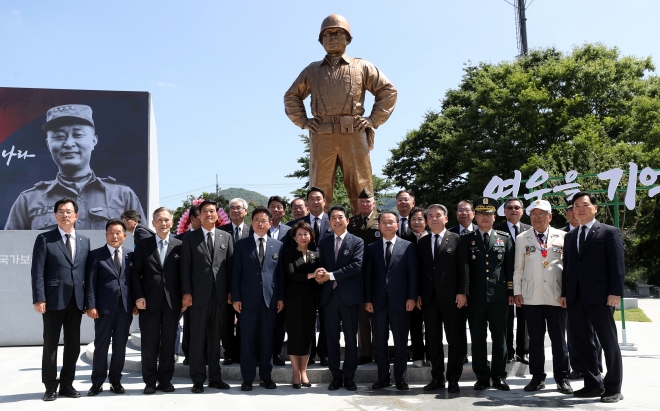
(20,388)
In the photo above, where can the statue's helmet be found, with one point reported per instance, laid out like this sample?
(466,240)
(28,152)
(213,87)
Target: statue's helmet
(332,21)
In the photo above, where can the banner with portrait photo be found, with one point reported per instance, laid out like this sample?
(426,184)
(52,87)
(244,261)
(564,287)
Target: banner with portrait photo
(92,146)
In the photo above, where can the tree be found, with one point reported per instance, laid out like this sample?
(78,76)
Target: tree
(340,197)
(179,211)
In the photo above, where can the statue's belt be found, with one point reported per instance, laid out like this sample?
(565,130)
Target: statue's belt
(336,124)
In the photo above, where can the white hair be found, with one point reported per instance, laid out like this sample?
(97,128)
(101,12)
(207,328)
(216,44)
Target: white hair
(238,200)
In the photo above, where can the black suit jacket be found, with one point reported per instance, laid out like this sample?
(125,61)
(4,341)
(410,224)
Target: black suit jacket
(230,229)
(457,228)
(324,230)
(153,281)
(103,284)
(505,227)
(54,276)
(598,269)
(440,274)
(391,286)
(141,232)
(198,270)
(346,268)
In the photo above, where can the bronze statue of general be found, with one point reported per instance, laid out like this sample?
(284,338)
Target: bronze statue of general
(339,134)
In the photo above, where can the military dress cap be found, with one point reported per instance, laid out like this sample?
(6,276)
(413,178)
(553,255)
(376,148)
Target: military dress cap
(539,204)
(335,21)
(70,113)
(486,205)
(365,194)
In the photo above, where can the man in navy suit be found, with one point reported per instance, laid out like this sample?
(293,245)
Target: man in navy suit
(58,278)
(592,286)
(298,210)
(206,260)
(257,295)
(109,301)
(390,292)
(278,231)
(341,295)
(405,202)
(157,292)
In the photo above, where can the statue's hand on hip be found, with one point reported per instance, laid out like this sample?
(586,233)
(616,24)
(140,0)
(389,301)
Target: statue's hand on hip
(361,123)
(312,124)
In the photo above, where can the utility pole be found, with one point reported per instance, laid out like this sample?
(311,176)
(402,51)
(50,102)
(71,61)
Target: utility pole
(521,26)
(217,187)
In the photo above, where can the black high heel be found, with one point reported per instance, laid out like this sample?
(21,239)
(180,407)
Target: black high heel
(306,384)
(296,386)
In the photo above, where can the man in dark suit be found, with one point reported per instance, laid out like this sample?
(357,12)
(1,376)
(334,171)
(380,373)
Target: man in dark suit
(238,230)
(258,295)
(58,278)
(206,259)
(109,301)
(157,293)
(405,202)
(278,231)
(133,220)
(442,293)
(513,210)
(298,210)
(341,295)
(195,223)
(592,286)
(390,292)
(486,259)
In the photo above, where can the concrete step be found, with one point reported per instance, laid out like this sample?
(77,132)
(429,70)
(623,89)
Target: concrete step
(367,373)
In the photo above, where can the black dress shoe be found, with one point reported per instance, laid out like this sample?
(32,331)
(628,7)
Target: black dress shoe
(185,361)
(69,392)
(246,386)
(435,384)
(278,361)
(221,385)
(575,375)
(535,385)
(564,386)
(336,384)
(149,389)
(381,384)
(500,384)
(364,360)
(588,393)
(402,386)
(465,360)
(481,385)
(117,388)
(611,397)
(165,387)
(349,384)
(453,388)
(50,395)
(324,362)
(311,361)
(268,384)
(511,359)
(524,359)
(197,388)
(306,384)
(227,361)
(95,389)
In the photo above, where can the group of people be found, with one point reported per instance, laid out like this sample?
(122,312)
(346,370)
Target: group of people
(400,271)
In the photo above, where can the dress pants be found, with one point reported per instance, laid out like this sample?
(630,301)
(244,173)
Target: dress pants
(205,328)
(67,319)
(417,334)
(522,346)
(366,333)
(464,318)
(399,321)
(231,342)
(435,315)
(585,319)
(257,335)
(554,317)
(158,343)
(340,316)
(115,326)
(573,356)
(185,341)
(484,316)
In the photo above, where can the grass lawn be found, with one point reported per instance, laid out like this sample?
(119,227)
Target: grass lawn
(632,314)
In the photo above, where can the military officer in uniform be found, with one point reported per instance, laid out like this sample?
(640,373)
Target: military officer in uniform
(486,258)
(365,226)
(339,132)
(71,138)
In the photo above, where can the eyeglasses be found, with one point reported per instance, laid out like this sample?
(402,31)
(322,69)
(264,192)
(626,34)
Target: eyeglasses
(464,210)
(67,212)
(261,221)
(236,208)
(513,208)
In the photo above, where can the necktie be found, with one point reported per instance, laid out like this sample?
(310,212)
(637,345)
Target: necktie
(261,251)
(436,247)
(237,235)
(486,241)
(337,247)
(209,244)
(162,251)
(316,230)
(516,232)
(541,237)
(68,245)
(466,231)
(388,254)
(583,237)
(117,261)
(404,226)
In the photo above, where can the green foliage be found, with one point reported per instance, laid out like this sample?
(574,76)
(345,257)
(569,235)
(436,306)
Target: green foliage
(247,195)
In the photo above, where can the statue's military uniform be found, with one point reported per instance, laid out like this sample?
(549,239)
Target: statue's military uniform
(100,200)
(490,284)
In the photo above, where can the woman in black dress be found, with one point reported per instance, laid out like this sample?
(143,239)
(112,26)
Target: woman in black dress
(300,300)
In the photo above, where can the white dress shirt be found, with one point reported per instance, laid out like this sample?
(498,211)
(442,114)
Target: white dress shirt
(442,235)
(112,253)
(72,238)
(587,228)
(334,239)
(206,235)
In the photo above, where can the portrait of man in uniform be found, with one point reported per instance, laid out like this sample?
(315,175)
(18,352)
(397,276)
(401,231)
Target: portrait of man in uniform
(71,138)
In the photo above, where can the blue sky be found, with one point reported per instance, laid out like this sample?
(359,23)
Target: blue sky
(217,70)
